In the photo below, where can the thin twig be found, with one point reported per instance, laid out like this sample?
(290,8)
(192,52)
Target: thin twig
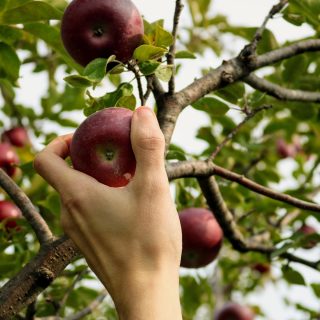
(172,50)
(133,68)
(251,48)
(64,299)
(36,221)
(93,305)
(231,135)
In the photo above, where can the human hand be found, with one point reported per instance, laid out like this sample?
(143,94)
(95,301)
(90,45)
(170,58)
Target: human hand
(130,236)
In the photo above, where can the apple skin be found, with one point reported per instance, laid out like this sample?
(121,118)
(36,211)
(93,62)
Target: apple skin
(93,29)
(308,230)
(285,150)
(234,311)
(8,159)
(16,136)
(201,237)
(9,210)
(101,147)
(262,268)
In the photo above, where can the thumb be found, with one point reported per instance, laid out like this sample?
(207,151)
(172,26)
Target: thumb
(147,141)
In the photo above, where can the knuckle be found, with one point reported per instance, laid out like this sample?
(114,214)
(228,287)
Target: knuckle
(152,143)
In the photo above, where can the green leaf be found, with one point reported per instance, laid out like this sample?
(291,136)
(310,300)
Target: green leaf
(96,70)
(211,106)
(148,67)
(51,35)
(9,34)
(292,276)
(164,72)
(3,5)
(9,63)
(184,54)
(111,99)
(175,153)
(128,102)
(30,12)
(148,52)
(78,81)
(232,93)
(294,68)
(163,38)
(309,9)
(52,203)
(316,289)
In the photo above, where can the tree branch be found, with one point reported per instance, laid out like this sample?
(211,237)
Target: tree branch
(204,169)
(286,53)
(280,92)
(36,221)
(216,203)
(172,50)
(38,274)
(229,72)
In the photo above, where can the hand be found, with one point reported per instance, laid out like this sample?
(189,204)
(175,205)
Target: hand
(130,236)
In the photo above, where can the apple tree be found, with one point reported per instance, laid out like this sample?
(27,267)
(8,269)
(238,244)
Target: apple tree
(258,172)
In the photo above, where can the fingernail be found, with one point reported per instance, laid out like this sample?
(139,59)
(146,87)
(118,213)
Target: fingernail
(144,112)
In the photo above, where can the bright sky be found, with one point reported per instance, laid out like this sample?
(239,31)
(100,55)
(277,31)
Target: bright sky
(242,12)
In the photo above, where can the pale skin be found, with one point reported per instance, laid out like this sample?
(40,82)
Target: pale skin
(130,236)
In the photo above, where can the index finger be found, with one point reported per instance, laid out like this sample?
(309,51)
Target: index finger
(50,163)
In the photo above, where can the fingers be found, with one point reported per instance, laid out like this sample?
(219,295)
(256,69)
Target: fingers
(147,141)
(50,163)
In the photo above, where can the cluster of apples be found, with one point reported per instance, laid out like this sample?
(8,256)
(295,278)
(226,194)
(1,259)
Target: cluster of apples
(16,137)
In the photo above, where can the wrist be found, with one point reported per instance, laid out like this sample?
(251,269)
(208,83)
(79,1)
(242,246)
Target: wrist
(153,295)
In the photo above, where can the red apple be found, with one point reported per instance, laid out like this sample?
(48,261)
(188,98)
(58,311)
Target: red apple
(10,211)
(262,268)
(308,230)
(93,29)
(17,136)
(234,311)
(101,147)
(285,150)
(8,159)
(201,237)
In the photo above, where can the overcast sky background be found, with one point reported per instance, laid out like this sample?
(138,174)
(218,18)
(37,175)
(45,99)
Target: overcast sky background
(241,12)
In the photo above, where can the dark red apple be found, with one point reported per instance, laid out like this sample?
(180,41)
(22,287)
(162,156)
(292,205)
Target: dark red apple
(234,311)
(308,230)
(93,29)
(201,237)
(101,147)
(10,211)
(8,159)
(262,268)
(16,136)
(285,150)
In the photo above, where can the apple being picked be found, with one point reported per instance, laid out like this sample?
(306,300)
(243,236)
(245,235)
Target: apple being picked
(201,237)
(101,147)
(9,211)
(8,159)
(16,136)
(93,29)
(234,311)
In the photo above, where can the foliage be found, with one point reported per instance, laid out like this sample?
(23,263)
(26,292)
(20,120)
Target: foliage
(30,37)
